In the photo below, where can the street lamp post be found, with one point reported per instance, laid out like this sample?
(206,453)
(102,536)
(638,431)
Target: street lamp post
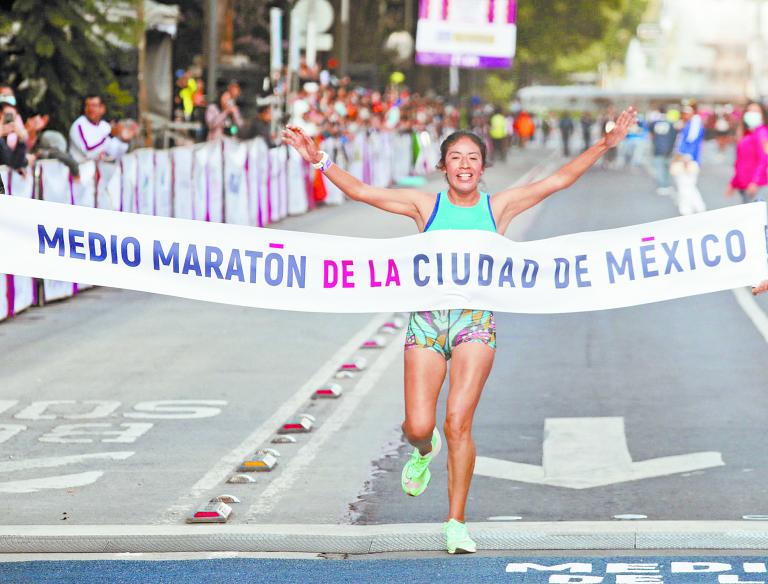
(212,57)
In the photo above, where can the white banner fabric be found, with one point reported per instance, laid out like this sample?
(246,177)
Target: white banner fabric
(163,185)
(298,198)
(128,165)
(258,182)
(235,186)
(108,186)
(215,173)
(55,187)
(183,190)
(145,181)
(439,270)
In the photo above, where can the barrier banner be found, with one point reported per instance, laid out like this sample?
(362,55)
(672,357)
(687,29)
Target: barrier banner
(55,187)
(162,184)
(17,293)
(183,191)
(258,182)
(200,183)
(215,175)
(235,186)
(128,166)
(109,186)
(298,197)
(145,181)
(289,270)
(84,189)
(278,196)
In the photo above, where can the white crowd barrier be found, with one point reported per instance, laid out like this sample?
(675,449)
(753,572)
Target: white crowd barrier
(17,293)
(229,181)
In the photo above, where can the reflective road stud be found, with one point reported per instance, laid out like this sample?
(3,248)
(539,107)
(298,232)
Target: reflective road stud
(295,426)
(260,462)
(241,478)
(376,342)
(283,440)
(332,390)
(395,323)
(356,364)
(228,499)
(344,375)
(211,513)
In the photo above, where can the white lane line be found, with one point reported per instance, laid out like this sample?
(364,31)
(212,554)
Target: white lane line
(26,464)
(55,482)
(225,466)
(753,310)
(299,464)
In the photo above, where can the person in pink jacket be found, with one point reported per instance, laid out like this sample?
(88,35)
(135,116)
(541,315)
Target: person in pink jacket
(751,167)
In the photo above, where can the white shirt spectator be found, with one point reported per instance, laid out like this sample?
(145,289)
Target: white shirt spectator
(89,141)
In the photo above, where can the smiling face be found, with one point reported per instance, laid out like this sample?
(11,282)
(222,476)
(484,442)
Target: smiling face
(464,165)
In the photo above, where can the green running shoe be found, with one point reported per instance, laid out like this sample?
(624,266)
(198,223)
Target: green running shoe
(416,475)
(457,538)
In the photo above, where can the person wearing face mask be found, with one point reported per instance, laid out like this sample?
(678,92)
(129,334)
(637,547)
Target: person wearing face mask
(751,165)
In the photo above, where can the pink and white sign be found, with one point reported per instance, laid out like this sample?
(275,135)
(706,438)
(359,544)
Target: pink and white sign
(475,34)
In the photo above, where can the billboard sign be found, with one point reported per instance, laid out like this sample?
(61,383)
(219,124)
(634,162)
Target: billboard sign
(478,34)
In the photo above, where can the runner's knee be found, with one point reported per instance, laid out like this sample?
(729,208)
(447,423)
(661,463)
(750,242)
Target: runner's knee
(458,426)
(418,431)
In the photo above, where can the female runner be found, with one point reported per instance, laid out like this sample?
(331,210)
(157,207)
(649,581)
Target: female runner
(468,337)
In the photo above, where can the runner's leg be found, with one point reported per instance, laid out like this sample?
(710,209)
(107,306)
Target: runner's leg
(424,375)
(471,364)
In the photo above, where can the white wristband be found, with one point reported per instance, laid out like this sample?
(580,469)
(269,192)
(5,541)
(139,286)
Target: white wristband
(324,164)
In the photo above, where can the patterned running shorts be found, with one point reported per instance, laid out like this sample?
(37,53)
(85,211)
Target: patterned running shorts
(444,330)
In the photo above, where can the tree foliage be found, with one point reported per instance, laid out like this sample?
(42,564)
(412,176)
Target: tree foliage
(557,37)
(54,52)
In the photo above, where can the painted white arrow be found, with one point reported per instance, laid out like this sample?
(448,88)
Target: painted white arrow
(56,482)
(582,453)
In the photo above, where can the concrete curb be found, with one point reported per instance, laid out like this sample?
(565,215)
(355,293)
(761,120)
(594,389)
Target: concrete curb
(365,539)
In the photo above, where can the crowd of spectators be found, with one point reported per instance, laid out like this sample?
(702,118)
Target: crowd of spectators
(90,136)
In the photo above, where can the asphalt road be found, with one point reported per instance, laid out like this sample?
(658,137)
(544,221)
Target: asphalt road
(157,399)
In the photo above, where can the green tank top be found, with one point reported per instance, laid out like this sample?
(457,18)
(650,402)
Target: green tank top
(446,215)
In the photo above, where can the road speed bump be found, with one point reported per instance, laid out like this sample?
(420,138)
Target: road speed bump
(228,499)
(241,478)
(259,462)
(283,440)
(211,513)
(356,364)
(376,342)
(330,391)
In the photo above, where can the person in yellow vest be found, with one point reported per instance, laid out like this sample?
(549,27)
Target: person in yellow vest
(499,136)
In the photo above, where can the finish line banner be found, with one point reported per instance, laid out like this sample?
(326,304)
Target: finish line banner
(268,268)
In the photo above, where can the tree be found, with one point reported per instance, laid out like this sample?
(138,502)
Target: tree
(557,37)
(54,52)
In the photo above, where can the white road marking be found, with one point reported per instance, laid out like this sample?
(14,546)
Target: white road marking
(7,404)
(30,463)
(227,463)
(300,462)
(582,453)
(752,309)
(55,482)
(8,431)
(99,431)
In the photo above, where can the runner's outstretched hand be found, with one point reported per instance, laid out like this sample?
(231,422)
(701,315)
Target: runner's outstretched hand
(760,288)
(624,123)
(304,145)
